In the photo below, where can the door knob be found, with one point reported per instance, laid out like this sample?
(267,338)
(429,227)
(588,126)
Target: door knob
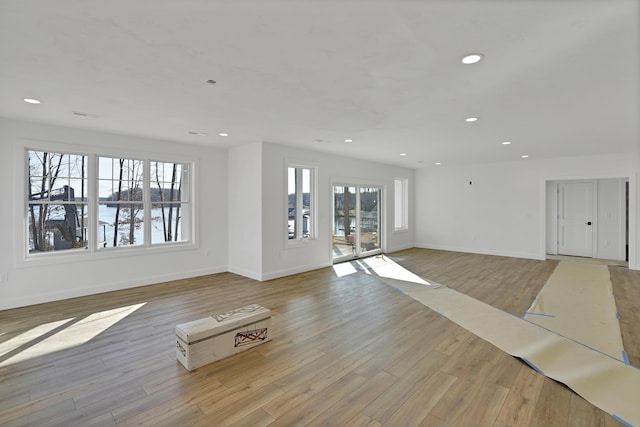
(588,223)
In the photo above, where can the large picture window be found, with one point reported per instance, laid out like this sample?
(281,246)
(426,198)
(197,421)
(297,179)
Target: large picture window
(128,202)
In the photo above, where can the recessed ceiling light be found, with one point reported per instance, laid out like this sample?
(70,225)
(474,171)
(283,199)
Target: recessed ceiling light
(31,101)
(348,140)
(506,143)
(403,154)
(197,133)
(524,156)
(472,58)
(471,119)
(223,134)
(438,163)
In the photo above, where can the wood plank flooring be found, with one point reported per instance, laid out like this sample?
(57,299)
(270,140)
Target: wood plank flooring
(345,351)
(626,288)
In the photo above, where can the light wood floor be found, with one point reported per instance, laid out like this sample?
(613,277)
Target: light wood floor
(346,351)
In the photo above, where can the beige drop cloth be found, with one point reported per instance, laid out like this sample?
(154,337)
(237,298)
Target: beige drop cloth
(577,302)
(605,382)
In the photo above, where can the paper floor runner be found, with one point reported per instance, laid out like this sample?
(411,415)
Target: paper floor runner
(577,302)
(602,380)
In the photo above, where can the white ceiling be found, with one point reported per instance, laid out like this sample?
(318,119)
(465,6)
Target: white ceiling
(559,78)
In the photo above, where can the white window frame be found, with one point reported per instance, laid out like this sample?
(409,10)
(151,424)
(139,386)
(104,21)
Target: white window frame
(26,202)
(146,181)
(313,197)
(91,251)
(400,204)
(185,202)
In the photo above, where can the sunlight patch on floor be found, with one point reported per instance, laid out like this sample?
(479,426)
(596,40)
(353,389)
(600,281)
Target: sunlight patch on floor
(31,335)
(385,267)
(70,335)
(344,269)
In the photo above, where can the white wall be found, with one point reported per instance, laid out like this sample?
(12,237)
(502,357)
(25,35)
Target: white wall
(31,282)
(279,259)
(634,206)
(552,218)
(503,211)
(489,209)
(244,210)
(611,219)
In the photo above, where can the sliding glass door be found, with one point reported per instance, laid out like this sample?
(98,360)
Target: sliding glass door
(356,221)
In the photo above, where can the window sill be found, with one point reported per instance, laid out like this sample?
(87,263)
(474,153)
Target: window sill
(83,255)
(401,231)
(298,243)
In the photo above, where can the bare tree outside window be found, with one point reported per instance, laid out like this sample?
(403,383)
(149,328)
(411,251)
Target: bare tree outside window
(136,202)
(121,201)
(168,201)
(56,201)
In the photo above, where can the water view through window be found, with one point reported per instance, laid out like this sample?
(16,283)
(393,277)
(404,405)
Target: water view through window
(138,203)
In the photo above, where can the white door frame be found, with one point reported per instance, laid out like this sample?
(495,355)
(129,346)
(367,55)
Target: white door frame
(357,253)
(633,179)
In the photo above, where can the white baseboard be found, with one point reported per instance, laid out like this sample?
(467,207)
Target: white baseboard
(255,275)
(399,248)
(40,298)
(480,251)
(295,270)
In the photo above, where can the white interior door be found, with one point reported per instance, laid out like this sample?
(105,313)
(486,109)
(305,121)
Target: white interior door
(575,222)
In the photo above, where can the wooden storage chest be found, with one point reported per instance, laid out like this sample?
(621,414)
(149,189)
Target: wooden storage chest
(206,340)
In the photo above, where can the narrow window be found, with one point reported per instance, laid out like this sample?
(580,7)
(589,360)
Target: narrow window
(170,204)
(300,203)
(56,201)
(401,201)
(120,202)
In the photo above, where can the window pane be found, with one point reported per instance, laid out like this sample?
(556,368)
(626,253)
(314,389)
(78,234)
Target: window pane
(166,222)
(369,219)
(167,180)
(56,203)
(400,217)
(120,180)
(120,224)
(120,202)
(306,203)
(169,184)
(300,203)
(344,220)
(291,204)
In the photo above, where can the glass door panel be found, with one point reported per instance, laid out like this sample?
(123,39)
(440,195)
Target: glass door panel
(344,221)
(356,221)
(369,219)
